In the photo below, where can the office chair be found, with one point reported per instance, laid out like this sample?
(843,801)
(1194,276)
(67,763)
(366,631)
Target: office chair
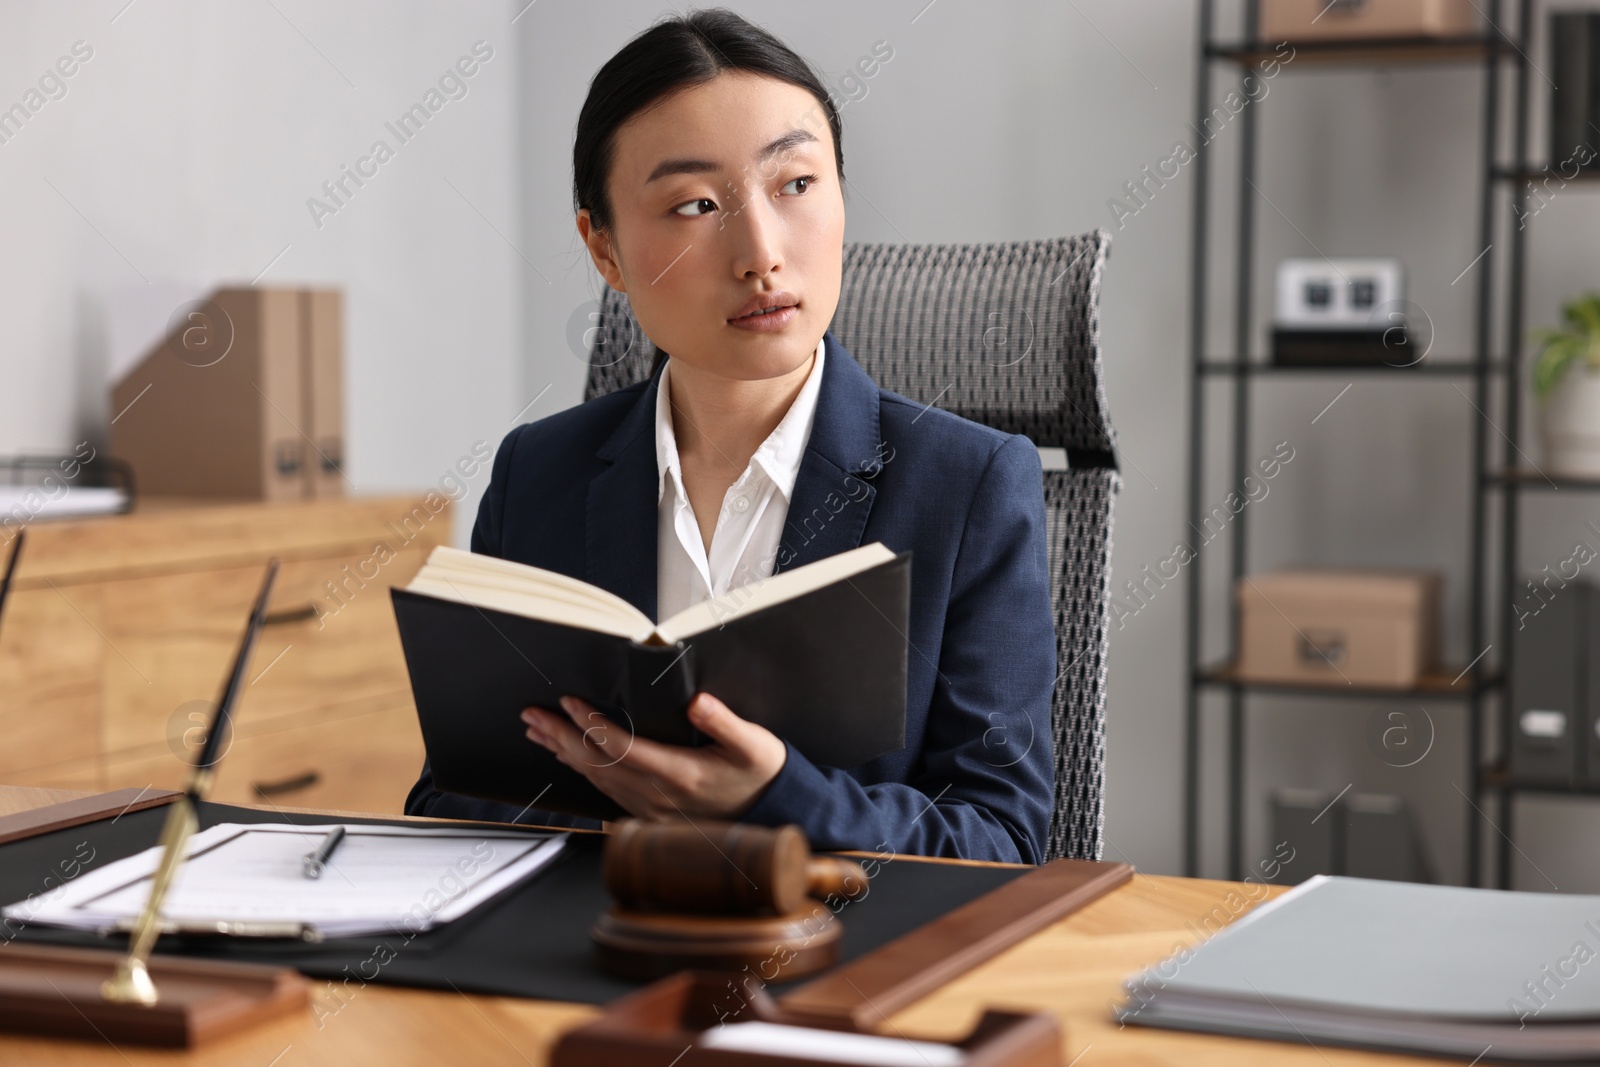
(1007,335)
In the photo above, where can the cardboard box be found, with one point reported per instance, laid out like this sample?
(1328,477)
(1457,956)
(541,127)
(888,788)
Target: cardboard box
(1310,20)
(1328,626)
(243,398)
(322,363)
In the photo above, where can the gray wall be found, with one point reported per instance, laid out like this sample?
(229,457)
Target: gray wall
(185,151)
(188,146)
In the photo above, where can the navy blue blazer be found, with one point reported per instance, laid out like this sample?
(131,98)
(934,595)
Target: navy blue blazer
(577,493)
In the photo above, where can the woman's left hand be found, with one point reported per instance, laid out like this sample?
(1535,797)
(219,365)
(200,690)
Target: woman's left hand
(654,780)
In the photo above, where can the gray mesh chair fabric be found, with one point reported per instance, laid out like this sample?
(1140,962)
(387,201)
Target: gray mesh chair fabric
(1007,335)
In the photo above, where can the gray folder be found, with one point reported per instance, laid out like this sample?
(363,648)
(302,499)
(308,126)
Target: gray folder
(1393,966)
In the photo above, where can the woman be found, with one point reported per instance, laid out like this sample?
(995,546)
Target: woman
(708,183)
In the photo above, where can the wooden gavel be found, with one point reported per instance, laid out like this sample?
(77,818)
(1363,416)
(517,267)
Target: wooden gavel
(725,868)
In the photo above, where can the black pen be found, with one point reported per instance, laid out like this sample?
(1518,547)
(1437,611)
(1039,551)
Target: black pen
(316,861)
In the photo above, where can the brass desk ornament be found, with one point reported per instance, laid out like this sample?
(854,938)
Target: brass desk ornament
(11,569)
(131,984)
(169,1001)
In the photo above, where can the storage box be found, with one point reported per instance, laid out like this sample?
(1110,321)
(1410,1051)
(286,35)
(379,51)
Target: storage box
(1555,684)
(242,398)
(1301,821)
(1380,840)
(1307,20)
(1359,835)
(1328,626)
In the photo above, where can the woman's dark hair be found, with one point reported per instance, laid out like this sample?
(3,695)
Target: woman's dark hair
(675,54)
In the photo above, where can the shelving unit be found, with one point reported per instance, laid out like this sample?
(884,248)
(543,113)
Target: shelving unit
(1467,684)
(1513,479)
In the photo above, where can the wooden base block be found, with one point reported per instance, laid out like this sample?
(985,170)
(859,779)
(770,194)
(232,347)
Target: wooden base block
(642,944)
(56,991)
(665,1023)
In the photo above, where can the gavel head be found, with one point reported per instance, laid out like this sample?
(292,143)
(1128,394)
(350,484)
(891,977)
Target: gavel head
(723,868)
(719,896)
(726,868)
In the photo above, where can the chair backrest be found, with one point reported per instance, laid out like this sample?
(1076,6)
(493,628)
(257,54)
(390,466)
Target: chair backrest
(1007,335)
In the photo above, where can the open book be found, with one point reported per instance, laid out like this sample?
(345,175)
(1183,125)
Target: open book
(816,654)
(491,582)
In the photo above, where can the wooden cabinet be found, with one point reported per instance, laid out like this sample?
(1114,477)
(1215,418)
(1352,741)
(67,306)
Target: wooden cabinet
(362,759)
(120,631)
(50,659)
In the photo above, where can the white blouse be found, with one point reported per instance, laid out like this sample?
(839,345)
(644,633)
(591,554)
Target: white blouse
(749,529)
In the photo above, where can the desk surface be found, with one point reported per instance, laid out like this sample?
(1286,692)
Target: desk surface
(1072,969)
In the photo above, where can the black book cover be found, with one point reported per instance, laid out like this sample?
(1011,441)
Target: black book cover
(825,670)
(1323,347)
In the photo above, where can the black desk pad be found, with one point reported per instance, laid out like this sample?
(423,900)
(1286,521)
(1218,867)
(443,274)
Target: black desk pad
(532,941)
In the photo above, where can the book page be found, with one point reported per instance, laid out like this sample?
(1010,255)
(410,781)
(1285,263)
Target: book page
(545,608)
(709,614)
(532,592)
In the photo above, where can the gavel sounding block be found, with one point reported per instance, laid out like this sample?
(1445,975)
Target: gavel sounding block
(719,896)
(693,1019)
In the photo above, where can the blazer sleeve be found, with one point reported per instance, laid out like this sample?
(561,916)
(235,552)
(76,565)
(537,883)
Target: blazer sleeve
(424,799)
(491,509)
(982,787)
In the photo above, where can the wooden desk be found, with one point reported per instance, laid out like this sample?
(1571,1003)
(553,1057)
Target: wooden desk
(1073,969)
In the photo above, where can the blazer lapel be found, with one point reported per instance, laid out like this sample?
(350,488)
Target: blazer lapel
(620,513)
(833,491)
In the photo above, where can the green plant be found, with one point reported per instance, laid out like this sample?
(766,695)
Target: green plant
(1561,349)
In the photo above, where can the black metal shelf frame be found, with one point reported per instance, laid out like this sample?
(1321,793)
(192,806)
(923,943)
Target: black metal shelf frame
(1354,51)
(1536,481)
(1511,487)
(1423,369)
(1490,52)
(1431,689)
(1587,178)
(1499,780)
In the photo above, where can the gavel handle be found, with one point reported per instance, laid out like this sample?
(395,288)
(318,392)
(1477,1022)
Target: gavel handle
(833,876)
